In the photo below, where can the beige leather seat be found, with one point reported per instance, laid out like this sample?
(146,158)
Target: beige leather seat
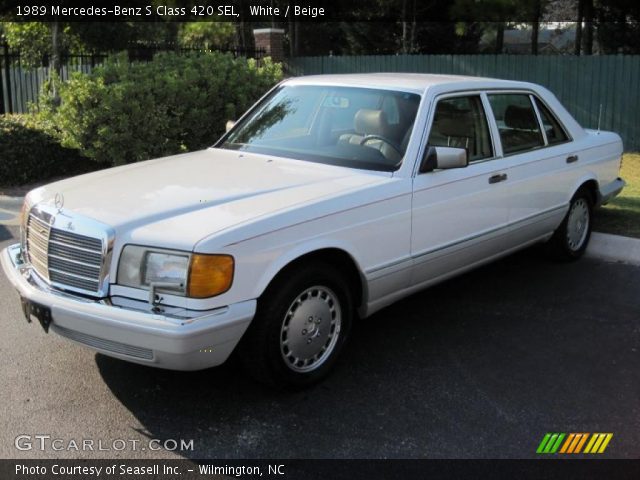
(366,122)
(371,122)
(452,132)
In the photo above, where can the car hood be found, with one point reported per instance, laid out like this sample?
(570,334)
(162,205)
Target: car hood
(228,187)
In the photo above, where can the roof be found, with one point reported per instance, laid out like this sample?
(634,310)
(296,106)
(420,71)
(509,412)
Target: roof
(410,82)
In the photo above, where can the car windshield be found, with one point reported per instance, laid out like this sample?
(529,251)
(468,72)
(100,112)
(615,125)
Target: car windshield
(347,126)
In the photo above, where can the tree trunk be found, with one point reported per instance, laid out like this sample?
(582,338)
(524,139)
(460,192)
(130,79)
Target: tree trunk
(292,38)
(55,47)
(499,38)
(240,39)
(578,39)
(404,48)
(412,35)
(55,60)
(535,27)
(588,27)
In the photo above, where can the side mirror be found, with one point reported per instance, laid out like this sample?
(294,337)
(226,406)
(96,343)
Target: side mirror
(443,158)
(229,125)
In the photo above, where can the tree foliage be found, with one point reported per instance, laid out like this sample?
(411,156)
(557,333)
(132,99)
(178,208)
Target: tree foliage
(618,27)
(33,40)
(206,34)
(125,112)
(28,153)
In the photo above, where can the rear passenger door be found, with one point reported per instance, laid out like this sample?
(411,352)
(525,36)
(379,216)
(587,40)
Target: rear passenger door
(535,147)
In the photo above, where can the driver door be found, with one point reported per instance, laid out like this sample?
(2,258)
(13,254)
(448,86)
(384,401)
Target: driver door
(459,216)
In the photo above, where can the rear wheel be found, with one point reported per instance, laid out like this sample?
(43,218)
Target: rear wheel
(570,240)
(300,328)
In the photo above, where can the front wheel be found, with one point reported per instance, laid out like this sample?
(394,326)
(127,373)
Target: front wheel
(300,328)
(570,240)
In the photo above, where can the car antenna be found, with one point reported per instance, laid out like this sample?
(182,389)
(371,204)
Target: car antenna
(599,117)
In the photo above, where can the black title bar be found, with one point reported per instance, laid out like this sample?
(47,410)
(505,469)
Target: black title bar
(274,12)
(118,469)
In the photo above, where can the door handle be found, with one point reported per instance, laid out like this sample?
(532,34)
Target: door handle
(500,177)
(572,158)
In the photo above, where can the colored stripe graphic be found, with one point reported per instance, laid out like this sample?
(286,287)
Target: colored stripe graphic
(550,443)
(567,443)
(576,439)
(581,443)
(605,443)
(572,443)
(552,440)
(598,443)
(556,445)
(591,442)
(543,443)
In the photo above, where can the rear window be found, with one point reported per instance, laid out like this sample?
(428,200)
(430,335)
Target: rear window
(517,122)
(553,130)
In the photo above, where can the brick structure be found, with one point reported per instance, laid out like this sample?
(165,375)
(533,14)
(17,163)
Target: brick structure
(272,41)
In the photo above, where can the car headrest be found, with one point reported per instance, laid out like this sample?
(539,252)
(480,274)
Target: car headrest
(371,122)
(520,117)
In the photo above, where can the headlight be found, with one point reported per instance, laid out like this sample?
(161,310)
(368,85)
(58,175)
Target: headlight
(180,273)
(165,268)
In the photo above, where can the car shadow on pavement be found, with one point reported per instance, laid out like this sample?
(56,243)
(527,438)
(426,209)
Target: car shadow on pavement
(474,367)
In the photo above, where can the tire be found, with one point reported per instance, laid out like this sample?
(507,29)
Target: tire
(287,343)
(570,240)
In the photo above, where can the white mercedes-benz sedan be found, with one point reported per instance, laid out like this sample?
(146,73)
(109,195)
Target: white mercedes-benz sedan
(332,197)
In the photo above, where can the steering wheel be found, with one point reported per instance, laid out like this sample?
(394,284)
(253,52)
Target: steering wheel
(392,144)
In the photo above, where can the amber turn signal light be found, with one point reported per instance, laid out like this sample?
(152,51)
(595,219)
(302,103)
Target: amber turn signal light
(209,275)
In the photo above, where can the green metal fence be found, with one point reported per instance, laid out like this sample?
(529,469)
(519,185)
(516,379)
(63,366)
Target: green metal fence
(586,85)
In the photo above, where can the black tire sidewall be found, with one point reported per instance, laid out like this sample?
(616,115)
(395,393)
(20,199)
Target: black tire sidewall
(272,307)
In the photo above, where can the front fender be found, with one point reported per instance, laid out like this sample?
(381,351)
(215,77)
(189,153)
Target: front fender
(289,255)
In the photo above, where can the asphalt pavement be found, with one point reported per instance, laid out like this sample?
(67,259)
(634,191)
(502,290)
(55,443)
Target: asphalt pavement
(481,366)
(10,209)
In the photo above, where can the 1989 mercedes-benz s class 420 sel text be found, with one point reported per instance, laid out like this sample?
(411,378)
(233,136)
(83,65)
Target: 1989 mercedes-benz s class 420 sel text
(331,198)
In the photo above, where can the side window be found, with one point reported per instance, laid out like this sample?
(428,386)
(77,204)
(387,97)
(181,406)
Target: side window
(555,133)
(461,122)
(517,122)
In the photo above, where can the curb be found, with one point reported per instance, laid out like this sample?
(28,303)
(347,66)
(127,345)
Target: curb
(614,248)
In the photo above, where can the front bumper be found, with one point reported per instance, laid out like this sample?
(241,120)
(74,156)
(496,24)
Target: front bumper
(137,336)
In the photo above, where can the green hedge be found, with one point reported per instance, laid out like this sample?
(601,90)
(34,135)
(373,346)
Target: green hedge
(126,112)
(28,154)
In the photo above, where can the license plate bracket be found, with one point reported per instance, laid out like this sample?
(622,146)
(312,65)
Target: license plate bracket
(41,312)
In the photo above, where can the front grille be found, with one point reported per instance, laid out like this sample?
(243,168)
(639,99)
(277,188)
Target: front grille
(64,258)
(103,344)
(38,245)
